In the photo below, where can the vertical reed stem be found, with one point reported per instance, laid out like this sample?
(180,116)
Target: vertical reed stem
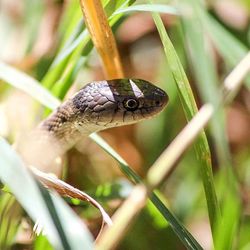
(102,37)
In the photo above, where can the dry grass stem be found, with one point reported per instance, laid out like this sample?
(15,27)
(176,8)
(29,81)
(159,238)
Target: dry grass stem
(122,218)
(168,159)
(233,80)
(64,189)
(102,37)
(164,164)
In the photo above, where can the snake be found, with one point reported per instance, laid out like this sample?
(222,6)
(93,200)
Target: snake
(97,106)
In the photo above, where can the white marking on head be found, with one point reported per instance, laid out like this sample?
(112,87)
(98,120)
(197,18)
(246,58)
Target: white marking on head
(135,88)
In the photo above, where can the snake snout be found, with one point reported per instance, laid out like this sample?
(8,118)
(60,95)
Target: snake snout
(160,98)
(154,102)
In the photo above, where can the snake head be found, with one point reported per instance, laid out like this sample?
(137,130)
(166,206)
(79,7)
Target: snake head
(105,104)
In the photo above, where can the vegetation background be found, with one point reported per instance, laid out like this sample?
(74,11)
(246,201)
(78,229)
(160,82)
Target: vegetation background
(48,41)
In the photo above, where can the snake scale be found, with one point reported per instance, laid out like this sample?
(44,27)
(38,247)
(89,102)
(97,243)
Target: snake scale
(97,106)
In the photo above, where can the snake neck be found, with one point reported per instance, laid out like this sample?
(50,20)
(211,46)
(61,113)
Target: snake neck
(61,125)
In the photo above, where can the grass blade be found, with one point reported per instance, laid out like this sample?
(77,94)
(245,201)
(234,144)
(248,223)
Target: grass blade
(231,49)
(50,211)
(183,234)
(206,77)
(162,8)
(190,109)
(27,84)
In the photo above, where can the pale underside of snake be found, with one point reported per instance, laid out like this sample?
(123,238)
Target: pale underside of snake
(97,106)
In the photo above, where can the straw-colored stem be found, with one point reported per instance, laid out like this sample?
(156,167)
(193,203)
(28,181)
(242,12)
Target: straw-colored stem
(124,214)
(165,163)
(102,37)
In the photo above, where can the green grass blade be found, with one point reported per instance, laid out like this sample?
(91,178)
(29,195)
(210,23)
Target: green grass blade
(27,84)
(206,76)
(190,108)
(187,239)
(82,39)
(71,24)
(66,64)
(16,176)
(42,243)
(231,49)
(152,8)
(183,234)
(61,87)
(227,229)
(10,218)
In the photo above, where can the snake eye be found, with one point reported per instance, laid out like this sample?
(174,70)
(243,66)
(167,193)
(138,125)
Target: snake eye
(131,104)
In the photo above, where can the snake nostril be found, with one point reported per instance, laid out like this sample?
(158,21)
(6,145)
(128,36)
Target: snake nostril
(157,103)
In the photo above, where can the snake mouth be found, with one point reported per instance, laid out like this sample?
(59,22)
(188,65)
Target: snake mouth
(157,102)
(161,98)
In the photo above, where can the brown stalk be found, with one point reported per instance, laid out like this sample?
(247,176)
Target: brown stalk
(102,37)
